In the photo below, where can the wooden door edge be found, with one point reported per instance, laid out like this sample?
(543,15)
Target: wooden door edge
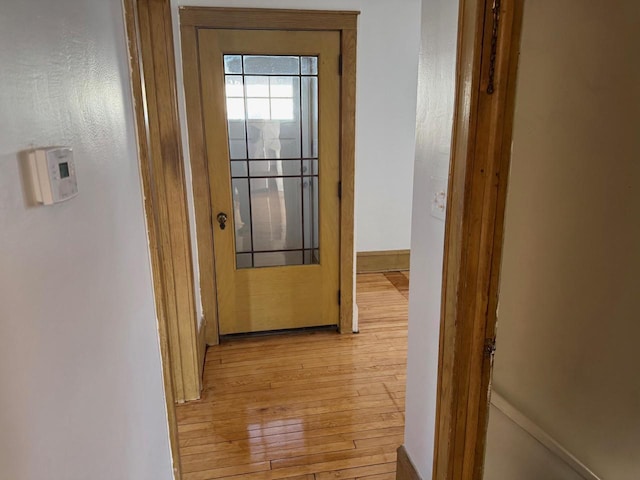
(194,18)
(473,232)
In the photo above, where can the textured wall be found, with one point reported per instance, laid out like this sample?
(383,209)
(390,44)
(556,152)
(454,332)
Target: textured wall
(436,88)
(81,385)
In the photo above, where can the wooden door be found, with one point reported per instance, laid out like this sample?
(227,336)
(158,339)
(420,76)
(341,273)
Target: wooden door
(271,114)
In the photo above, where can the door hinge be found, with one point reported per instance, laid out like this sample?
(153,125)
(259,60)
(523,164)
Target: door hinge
(339,297)
(489,346)
(340,64)
(340,190)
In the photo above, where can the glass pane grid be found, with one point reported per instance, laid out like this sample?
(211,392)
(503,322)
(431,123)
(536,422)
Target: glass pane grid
(272,114)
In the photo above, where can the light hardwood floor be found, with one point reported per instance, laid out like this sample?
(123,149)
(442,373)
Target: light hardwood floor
(313,406)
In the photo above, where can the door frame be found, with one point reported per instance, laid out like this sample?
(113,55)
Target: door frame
(153,82)
(149,34)
(475,205)
(486,72)
(193,19)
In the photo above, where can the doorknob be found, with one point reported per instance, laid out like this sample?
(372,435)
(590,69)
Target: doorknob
(222,220)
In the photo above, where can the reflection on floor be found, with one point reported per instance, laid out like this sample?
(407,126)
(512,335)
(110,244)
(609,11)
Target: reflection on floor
(513,454)
(313,406)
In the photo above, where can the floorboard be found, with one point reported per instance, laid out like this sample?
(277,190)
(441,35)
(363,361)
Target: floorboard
(305,406)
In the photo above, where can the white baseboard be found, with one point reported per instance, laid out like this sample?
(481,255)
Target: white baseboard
(541,436)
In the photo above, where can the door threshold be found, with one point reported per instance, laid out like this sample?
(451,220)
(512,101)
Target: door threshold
(285,331)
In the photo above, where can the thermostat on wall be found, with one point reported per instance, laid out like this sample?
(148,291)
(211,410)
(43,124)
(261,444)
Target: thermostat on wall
(53,174)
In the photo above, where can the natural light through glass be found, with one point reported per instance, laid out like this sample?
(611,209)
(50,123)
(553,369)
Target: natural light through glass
(272,120)
(267,98)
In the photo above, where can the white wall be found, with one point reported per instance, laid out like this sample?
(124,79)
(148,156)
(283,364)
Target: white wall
(569,316)
(80,374)
(433,138)
(388,42)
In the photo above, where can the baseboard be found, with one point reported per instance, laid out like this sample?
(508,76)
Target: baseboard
(541,436)
(405,470)
(382,261)
(202,345)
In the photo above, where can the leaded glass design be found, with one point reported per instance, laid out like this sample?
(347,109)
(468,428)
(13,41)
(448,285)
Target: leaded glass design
(272,118)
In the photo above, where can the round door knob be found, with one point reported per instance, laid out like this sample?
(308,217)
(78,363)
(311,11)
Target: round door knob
(222,220)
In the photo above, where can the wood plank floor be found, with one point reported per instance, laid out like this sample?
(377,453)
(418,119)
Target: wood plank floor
(313,406)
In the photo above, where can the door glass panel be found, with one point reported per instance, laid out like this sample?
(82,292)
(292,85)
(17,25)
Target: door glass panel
(234,90)
(309,111)
(276,214)
(244,260)
(242,214)
(272,121)
(275,259)
(274,168)
(239,169)
(271,65)
(310,195)
(308,65)
(310,167)
(233,64)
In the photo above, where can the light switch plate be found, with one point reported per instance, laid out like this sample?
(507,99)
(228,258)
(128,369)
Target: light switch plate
(439,197)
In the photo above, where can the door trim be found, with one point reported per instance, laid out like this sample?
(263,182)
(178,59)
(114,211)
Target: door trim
(477,186)
(153,84)
(143,20)
(478,175)
(481,153)
(191,20)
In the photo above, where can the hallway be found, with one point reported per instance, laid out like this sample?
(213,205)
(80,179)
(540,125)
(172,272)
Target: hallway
(313,406)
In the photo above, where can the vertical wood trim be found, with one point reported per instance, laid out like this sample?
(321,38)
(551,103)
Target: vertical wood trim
(165,188)
(467,73)
(144,152)
(473,235)
(200,180)
(499,112)
(347,174)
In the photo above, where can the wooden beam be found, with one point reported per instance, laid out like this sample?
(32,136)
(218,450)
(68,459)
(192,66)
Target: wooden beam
(268,19)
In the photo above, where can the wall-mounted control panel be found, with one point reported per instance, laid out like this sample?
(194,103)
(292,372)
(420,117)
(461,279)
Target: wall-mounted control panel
(53,174)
